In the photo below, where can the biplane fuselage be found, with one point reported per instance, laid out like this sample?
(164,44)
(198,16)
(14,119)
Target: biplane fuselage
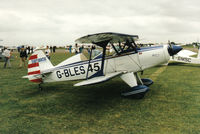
(129,62)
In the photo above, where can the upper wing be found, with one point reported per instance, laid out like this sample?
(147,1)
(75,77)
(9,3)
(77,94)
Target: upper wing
(98,79)
(112,37)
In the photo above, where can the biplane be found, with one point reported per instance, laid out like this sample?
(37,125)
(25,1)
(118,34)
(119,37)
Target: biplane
(126,60)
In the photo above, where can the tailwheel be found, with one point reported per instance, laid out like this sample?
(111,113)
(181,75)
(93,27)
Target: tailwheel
(40,86)
(136,92)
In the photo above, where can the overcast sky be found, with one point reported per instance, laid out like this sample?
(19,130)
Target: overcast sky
(60,22)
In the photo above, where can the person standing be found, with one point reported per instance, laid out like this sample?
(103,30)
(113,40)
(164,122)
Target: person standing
(80,49)
(47,52)
(66,49)
(70,49)
(51,48)
(32,49)
(18,49)
(23,56)
(54,49)
(29,50)
(88,49)
(76,48)
(7,55)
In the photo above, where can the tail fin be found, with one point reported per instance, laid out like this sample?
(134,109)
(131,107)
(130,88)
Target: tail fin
(198,56)
(37,63)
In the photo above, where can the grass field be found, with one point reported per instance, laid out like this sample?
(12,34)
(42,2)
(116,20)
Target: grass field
(171,106)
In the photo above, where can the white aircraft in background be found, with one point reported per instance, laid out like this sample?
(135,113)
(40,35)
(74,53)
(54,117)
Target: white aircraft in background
(126,61)
(184,56)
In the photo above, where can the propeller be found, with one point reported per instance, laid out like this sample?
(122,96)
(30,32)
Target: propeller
(173,49)
(170,48)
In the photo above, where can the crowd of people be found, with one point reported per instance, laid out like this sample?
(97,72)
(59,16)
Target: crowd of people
(23,52)
(79,48)
(76,49)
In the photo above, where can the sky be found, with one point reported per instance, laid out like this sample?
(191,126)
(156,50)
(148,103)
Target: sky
(60,22)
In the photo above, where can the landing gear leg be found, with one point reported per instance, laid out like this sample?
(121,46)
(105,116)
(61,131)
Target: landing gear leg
(138,89)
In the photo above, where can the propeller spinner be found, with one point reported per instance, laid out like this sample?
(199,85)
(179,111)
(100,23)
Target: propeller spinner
(173,49)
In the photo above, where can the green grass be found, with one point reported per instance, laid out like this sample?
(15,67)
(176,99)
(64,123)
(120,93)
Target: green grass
(171,106)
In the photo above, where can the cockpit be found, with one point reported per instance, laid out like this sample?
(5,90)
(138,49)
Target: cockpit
(125,47)
(113,44)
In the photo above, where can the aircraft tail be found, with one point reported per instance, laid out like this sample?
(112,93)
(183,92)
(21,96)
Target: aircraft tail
(198,56)
(38,62)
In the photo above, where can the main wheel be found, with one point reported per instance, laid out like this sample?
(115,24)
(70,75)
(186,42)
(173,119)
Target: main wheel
(137,92)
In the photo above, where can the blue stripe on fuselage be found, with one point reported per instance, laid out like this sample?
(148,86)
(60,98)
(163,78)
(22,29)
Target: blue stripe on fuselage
(149,48)
(77,63)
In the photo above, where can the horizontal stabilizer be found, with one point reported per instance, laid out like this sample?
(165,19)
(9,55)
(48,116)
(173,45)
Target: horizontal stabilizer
(30,76)
(48,71)
(98,79)
(26,77)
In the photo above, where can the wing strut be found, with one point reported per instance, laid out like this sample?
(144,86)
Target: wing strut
(102,44)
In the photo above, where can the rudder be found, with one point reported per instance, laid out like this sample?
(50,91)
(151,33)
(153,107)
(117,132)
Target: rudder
(37,63)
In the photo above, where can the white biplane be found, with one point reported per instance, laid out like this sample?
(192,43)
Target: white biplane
(126,60)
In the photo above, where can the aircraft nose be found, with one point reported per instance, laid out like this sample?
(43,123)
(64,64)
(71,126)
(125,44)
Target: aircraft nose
(172,49)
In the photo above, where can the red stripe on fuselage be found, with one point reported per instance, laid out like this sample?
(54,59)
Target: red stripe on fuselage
(33,57)
(37,80)
(34,72)
(33,65)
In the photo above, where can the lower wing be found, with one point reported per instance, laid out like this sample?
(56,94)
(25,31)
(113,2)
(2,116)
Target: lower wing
(99,79)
